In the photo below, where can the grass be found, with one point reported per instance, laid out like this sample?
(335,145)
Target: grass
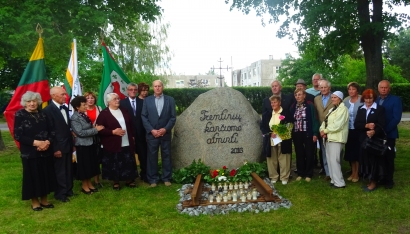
(316,207)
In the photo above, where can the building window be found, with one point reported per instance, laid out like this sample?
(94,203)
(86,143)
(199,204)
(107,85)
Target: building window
(277,69)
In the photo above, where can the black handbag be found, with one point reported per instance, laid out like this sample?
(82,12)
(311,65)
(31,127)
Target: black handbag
(376,145)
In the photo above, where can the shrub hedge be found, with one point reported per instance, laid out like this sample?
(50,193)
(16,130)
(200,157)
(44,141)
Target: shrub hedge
(185,96)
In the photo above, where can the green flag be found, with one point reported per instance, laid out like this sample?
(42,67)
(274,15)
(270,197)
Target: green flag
(113,79)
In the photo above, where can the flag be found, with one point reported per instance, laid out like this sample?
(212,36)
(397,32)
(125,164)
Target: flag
(72,83)
(113,79)
(34,79)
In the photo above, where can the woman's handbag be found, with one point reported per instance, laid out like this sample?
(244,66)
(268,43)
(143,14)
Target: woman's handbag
(377,145)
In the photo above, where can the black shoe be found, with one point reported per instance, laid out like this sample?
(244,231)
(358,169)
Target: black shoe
(65,199)
(49,205)
(335,187)
(94,190)
(86,192)
(38,208)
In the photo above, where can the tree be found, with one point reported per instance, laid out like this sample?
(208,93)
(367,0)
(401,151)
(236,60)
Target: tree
(293,69)
(63,20)
(348,69)
(399,52)
(337,26)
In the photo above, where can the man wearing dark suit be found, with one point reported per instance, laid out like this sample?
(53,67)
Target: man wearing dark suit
(62,143)
(132,106)
(394,108)
(159,117)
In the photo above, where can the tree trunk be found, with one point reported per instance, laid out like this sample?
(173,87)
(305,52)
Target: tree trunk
(371,37)
(2,146)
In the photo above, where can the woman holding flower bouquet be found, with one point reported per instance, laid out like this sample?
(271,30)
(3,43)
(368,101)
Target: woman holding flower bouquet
(334,131)
(304,134)
(281,127)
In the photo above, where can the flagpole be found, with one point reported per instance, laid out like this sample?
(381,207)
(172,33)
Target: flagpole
(39,30)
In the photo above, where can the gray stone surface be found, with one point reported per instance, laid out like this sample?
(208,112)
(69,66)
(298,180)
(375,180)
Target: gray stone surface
(221,128)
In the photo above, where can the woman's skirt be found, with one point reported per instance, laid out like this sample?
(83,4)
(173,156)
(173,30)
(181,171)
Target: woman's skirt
(38,177)
(87,162)
(119,166)
(352,148)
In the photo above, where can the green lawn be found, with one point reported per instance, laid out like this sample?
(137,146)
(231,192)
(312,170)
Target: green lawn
(317,208)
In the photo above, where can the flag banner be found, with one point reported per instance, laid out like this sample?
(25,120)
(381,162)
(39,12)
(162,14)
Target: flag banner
(113,79)
(34,79)
(72,82)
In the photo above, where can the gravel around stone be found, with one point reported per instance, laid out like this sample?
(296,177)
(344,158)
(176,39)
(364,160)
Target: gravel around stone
(223,209)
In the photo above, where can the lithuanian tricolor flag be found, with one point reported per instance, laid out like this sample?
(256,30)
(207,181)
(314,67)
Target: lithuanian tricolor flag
(34,79)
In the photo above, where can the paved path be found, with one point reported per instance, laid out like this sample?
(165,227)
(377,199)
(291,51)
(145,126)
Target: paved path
(405,117)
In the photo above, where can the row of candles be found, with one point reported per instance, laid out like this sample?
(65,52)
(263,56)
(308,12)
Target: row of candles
(231,186)
(236,192)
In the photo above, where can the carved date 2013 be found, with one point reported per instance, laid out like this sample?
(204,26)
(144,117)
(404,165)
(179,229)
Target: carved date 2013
(236,150)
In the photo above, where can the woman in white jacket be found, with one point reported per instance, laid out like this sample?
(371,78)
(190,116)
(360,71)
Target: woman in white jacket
(334,130)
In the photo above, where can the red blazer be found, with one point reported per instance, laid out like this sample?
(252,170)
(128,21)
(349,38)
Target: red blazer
(111,142)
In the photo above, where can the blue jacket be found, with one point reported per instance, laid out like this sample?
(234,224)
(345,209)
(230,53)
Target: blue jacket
(394,108)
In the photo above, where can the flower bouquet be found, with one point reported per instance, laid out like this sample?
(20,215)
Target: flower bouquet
(283,130)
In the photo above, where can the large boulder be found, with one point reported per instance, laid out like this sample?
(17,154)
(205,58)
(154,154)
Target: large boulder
(221,128)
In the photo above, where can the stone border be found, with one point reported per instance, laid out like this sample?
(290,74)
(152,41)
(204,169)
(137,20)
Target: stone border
(216,209)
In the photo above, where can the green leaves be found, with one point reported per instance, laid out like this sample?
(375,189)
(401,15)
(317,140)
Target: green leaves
(63,20)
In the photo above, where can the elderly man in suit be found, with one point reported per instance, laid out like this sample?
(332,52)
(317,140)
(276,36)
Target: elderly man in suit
(132,105)
(394,108)
(159,117)
(62,144)
(323,105)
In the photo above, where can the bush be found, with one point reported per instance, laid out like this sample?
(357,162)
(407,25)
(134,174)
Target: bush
(255,95)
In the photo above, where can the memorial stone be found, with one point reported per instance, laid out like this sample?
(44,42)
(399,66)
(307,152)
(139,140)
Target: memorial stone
(221,128)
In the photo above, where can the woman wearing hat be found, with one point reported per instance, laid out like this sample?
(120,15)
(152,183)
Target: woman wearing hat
(334,131)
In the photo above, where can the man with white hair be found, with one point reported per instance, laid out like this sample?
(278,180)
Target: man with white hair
(394,108)
(315,90)
(62,144)
(323,105)
(158,117)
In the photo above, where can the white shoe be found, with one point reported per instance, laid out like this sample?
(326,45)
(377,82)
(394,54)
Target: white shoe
(284,182)
(308,179)
(299,178)
(273,181)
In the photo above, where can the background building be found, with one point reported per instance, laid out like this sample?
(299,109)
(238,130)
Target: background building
(191,81)
(259,73)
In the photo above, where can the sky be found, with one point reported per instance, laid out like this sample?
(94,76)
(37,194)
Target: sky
(204,31)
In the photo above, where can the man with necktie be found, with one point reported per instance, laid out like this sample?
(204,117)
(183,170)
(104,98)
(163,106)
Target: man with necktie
(62,144)
(131,104)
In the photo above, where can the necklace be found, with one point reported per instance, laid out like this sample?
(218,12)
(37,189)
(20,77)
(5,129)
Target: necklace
(33,117)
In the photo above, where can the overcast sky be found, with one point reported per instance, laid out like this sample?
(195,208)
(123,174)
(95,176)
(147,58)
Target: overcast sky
(203,31)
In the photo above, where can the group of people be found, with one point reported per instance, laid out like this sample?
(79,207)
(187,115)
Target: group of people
(337,127)
(142,124)
(53,138)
